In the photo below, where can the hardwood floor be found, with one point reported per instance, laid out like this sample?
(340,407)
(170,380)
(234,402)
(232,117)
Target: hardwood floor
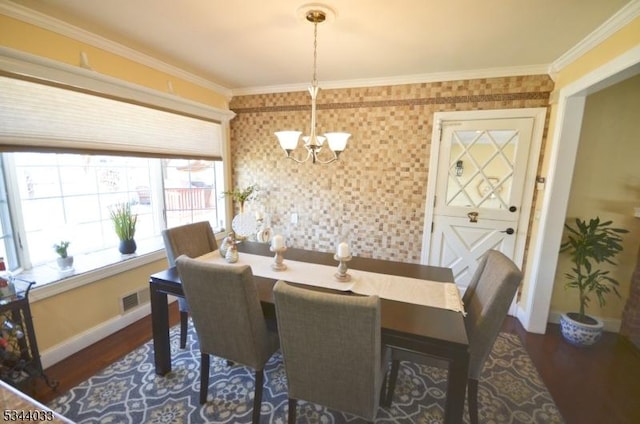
(600,384)
(596,385)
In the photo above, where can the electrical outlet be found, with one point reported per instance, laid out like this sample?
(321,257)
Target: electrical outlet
(294,218)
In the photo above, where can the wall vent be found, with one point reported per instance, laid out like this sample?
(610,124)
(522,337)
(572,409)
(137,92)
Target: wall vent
(133,300)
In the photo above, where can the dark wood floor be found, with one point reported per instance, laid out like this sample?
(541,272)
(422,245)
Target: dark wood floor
(596,385)
(599,384)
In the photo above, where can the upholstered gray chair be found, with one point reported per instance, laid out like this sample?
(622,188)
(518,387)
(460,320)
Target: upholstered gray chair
(192,240)
(486,301)
(331,347)
(228,319)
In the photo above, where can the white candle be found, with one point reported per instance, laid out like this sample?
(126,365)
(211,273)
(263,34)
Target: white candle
(343,250)
(277,242)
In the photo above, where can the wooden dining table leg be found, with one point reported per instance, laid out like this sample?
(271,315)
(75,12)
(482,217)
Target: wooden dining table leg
(160,330)
(456,388)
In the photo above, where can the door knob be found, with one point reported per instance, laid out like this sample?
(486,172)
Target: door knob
(512,209)
(509,231)
(473,216)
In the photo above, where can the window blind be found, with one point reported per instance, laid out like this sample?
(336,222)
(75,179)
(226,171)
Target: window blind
(34,115)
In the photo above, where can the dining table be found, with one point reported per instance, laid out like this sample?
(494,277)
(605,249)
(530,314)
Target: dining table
(431,330)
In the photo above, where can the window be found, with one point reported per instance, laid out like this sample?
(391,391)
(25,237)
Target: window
(106,141)
(63,196)
(190,188)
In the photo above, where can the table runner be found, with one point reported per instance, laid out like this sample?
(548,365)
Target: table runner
(392,287)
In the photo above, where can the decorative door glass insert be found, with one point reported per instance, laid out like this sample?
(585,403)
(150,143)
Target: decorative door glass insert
(481,168)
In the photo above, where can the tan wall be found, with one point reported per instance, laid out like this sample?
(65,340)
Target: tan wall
(377,190)
(74,312)
(620,42)
(31,39)
(64,316)
(606,183)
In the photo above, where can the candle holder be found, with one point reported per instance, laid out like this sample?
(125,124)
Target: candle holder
(342,275)
(277,264)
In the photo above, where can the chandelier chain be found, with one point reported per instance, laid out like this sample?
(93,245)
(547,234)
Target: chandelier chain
(314,82)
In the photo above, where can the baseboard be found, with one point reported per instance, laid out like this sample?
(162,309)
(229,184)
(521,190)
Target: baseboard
(611,325)
(80,341)
(523,317)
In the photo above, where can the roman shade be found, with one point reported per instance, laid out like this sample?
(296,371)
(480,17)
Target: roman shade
(43,116)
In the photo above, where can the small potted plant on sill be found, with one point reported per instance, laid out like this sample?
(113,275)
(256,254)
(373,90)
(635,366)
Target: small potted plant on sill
(589,245)
(124,222)
(65,262)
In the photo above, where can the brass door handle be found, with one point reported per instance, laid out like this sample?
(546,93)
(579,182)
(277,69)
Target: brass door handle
(473,216)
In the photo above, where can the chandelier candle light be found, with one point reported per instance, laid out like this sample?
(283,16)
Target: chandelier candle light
(278,246)
(337,141)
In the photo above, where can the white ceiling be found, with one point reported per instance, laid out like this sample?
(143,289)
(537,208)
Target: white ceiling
(254,45)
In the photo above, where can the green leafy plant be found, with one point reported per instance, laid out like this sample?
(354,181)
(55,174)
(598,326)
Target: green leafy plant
(61,248)
(124,221)
(242,195)
(589,244)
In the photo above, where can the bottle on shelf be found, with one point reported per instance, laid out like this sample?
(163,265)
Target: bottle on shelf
(12,328)
(7,287)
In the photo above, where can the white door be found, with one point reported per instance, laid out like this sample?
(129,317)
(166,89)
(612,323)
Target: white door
(480,184)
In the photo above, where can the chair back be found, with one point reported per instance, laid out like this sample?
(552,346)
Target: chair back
(331,347)
(226,311)
(192,240)
(487,301)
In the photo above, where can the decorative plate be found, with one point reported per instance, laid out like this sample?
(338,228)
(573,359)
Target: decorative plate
(244,224)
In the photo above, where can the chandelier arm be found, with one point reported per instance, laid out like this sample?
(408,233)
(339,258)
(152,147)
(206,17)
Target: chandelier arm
(323,162)
(298,160)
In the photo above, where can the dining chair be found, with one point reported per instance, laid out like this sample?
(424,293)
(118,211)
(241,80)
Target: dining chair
(228,318)
(331,347)
(192,240)
(486,300)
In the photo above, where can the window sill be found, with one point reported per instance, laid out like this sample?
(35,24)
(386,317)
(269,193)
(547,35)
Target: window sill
(89,268)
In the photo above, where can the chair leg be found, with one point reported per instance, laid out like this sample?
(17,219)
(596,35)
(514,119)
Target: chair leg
(293,405)
(472,396)
(383,390)
(257,397)
(184,324)
(393,376)
(204,377)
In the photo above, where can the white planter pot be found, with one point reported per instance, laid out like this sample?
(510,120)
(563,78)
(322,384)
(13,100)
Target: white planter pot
(578,333)
(65,264)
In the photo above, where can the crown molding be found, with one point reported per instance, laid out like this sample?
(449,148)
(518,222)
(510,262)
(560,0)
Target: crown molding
(400,80)
(620,19)
(613,24)
(41,20)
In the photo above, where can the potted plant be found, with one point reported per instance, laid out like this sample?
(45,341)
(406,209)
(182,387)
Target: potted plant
(65,262)
(589,245)
(241,195)
(124,222)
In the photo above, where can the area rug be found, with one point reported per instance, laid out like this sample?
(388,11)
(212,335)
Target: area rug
(129,391)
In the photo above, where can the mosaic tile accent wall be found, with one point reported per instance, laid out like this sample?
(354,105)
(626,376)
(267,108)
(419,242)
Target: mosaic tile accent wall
(375,194)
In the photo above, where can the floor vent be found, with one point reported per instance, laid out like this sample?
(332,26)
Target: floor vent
(133,300)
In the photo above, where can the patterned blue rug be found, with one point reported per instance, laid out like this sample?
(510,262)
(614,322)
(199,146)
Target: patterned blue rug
(129,391)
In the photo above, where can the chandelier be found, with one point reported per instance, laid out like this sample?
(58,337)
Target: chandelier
(313,143)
